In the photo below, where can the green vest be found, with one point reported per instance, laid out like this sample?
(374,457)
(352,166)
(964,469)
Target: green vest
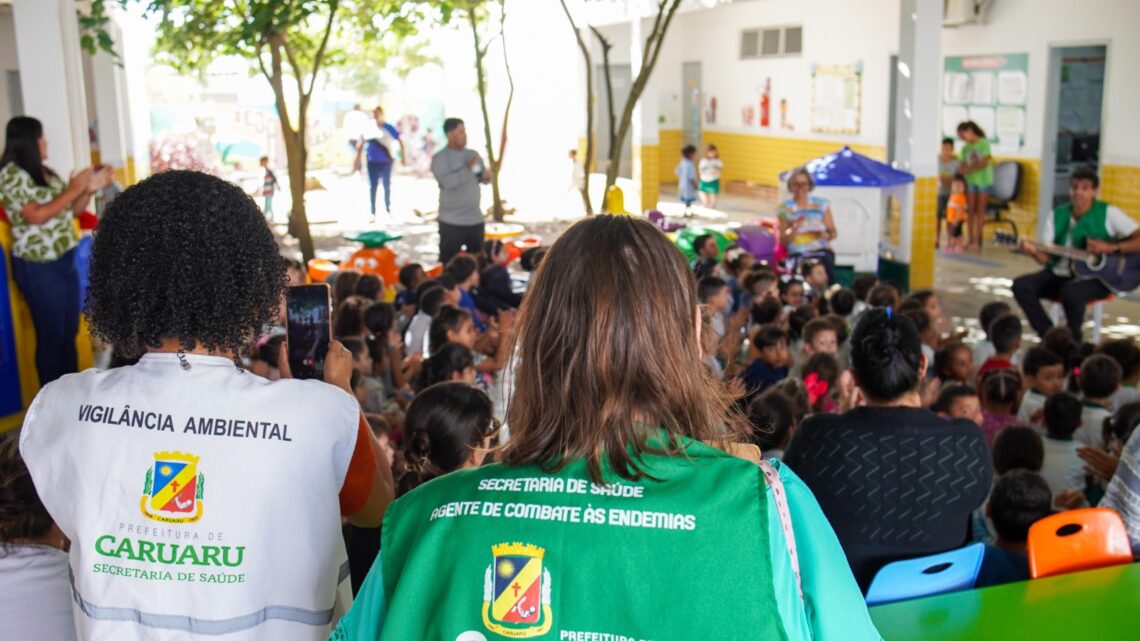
(1091,225)
(514,552)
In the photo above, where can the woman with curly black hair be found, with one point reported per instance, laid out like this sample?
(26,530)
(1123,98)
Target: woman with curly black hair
(200,497)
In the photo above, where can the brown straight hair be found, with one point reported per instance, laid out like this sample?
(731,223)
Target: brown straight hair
(609,353)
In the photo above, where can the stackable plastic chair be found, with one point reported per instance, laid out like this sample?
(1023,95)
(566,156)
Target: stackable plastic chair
(1077,540)
(935,574)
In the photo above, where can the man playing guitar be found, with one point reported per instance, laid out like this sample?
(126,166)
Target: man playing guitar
(1086,223)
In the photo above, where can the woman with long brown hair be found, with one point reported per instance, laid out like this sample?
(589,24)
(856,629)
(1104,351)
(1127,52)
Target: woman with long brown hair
(610,513)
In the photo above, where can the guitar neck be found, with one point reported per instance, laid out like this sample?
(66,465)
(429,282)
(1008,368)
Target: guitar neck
(1064,252)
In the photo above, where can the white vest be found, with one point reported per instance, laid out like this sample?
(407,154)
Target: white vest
(198,502)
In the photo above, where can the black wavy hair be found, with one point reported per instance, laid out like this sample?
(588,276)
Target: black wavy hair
(187,256)
(886,355)
(772,417)
(22,515)
(22,146)
(447,319)
(1018,447)
(449,359)
(370,286)
(1019,499)
(443,425)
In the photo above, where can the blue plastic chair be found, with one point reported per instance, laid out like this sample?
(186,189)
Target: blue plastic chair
(935,574)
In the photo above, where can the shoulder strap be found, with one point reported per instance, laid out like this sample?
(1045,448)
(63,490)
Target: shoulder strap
(772,476)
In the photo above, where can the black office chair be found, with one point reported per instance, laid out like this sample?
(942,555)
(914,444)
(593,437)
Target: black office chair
(1007,185)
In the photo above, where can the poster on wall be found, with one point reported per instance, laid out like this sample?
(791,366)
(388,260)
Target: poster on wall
(836,98)
(992,91)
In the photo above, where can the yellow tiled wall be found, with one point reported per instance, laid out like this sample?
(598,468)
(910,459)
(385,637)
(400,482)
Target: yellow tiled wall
(1120,186)
(670,154)
(646,173)
(761,159)
(1023,210)
(923,231)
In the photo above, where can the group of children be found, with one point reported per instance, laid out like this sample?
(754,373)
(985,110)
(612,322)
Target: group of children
(699,180)
(1055,415)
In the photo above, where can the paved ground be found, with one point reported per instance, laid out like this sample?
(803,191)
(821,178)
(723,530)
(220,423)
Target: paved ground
(964,282)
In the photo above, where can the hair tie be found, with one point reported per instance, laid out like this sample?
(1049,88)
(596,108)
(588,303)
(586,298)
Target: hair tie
(816,387)
(1076,371)
(890,312)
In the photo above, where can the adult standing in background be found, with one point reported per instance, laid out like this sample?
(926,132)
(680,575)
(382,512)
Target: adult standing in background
(380,140)
(978,168)
(459,172)
(41,208)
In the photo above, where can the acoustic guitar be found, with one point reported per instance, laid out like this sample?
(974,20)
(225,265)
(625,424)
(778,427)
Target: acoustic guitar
(1120,273)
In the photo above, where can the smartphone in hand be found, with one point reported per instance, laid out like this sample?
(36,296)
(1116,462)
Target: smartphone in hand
(308,329)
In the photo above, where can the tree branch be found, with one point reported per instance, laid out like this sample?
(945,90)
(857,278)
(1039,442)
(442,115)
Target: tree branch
(589,157)
(298,77)
(510,81)
(606,46)
(319,57)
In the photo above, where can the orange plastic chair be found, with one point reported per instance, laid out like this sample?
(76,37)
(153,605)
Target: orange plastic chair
(1077,540)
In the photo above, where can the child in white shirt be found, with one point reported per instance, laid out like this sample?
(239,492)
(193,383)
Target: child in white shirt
(1063,470)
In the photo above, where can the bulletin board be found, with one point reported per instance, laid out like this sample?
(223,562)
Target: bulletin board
(836,98)
(992,91)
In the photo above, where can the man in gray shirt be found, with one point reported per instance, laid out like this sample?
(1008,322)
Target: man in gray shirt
(459,172)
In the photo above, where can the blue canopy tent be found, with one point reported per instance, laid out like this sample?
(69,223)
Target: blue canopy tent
(871,203)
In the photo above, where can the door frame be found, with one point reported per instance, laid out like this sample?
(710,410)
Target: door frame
(1054,54)
(700,103)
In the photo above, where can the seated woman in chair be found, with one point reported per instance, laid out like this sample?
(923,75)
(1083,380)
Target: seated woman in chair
(806,224)
(610,514)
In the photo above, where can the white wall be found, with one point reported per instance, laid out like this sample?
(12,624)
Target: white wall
(8,59)
(1033,26)
(834,33)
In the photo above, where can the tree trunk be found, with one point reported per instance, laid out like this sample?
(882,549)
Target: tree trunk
(481,85)
(653,45)
(297,154)
(589,157)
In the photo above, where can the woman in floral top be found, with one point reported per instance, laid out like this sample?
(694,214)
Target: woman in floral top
(41,207)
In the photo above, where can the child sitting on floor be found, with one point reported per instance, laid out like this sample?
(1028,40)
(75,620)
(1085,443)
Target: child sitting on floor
(450,363)
(768,349)
(1000,389)
(825,383)
(820,337)
(959,401)
(989,313)
(1019,499)
(772,418)
(953,363)
(495,292)
(1063,469)
(1099,380)
(1126,354)
(1044,374)
(1005,333)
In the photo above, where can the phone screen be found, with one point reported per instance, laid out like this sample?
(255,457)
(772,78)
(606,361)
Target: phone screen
(308,329)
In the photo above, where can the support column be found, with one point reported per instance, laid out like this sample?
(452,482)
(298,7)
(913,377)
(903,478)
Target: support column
(51,78)
(645,142)
(112,118)
(916,126)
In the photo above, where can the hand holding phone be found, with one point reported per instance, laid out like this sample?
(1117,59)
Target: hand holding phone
(308,329)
